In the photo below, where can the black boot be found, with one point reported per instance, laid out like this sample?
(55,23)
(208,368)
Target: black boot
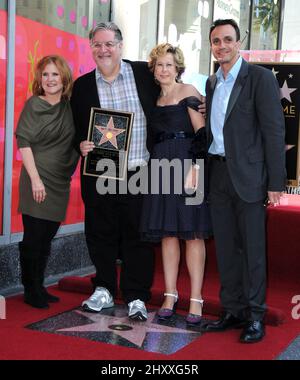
(43,259)
(30,279)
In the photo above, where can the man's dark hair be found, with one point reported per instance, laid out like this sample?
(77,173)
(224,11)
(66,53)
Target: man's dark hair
(228,21)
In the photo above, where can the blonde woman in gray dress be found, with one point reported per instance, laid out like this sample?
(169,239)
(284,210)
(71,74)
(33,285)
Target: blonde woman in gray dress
(45,134)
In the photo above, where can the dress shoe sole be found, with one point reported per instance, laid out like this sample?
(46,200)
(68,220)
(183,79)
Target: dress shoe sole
(37,306)
(234,327)
(50,297)
(252,340)
(193,324)
(53,300)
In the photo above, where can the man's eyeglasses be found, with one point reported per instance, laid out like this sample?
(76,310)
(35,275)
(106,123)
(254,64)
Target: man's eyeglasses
(108,44)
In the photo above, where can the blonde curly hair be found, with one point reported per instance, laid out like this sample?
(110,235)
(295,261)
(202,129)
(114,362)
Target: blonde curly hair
(163,49)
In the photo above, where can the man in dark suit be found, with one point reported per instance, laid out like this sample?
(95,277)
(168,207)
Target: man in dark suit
(112,220)
(246,131)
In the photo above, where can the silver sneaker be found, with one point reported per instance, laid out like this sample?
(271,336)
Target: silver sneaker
(137,310)
(100,299)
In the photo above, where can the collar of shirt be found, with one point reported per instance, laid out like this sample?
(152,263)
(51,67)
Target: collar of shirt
(233,73)
(219,106)
(121,72)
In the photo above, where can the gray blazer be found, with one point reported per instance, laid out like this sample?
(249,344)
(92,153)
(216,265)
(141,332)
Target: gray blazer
(254,132)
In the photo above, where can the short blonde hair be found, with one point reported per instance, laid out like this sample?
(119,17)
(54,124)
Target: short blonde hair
(64,71)
(163,49)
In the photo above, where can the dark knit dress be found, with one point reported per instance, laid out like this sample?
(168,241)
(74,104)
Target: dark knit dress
(49,131)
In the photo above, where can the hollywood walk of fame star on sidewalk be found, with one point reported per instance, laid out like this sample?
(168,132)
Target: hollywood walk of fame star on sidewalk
(136,335)
(109,133)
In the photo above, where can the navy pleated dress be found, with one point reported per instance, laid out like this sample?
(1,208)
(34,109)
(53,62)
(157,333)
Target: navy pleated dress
(168,215)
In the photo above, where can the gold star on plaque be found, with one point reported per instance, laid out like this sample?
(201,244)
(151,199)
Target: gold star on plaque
(109,133)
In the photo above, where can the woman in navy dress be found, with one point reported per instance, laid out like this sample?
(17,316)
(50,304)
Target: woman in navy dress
(167,218)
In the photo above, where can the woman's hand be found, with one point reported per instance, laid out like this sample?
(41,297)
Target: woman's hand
(86,147)
(192,178)
(38,190)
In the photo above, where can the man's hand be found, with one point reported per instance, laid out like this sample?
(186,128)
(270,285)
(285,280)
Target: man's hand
(274,197)
(202,107)
(86,147)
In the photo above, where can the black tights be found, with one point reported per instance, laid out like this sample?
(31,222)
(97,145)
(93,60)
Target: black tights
(38,233)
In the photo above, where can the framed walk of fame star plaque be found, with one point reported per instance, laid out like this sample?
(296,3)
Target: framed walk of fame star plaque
(110,131)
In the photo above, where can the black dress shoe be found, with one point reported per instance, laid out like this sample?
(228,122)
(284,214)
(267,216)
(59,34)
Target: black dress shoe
(226,322)
(49,297)
(253,332)
(36,299)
